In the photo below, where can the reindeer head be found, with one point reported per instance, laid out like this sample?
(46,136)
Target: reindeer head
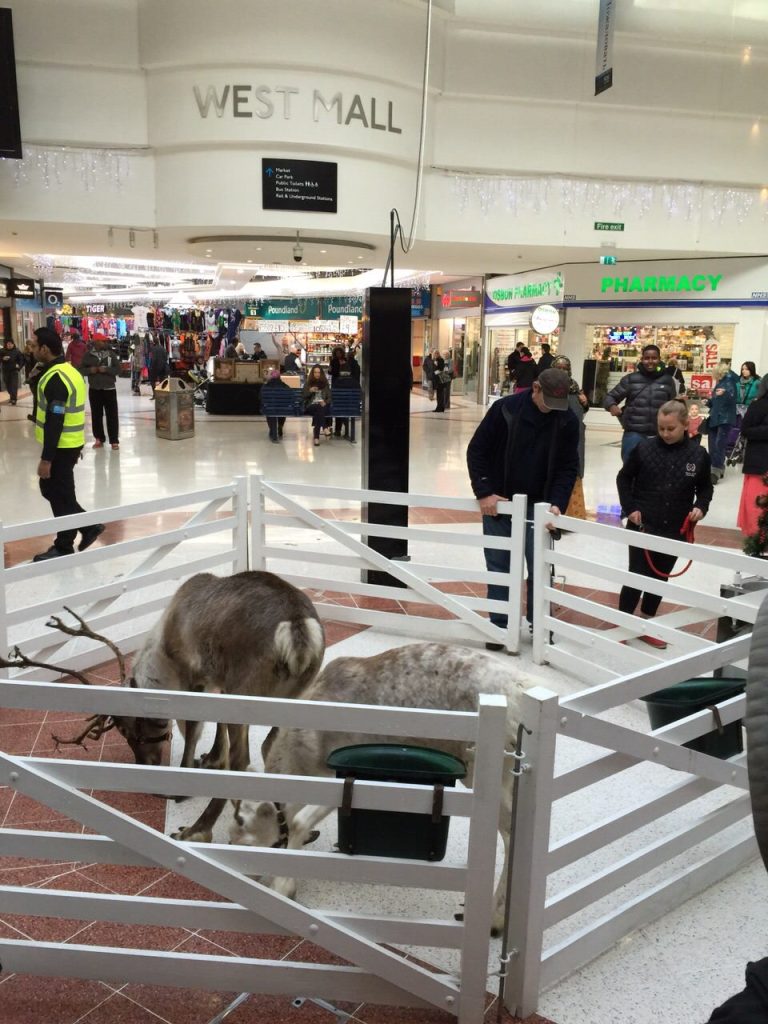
(145,736)
(258,824)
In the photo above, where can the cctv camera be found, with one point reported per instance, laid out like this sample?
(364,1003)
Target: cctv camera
(298,253)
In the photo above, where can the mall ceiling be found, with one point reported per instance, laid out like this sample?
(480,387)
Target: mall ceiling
(86,258)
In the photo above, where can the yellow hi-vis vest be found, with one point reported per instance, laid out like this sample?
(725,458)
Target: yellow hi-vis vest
(73,434)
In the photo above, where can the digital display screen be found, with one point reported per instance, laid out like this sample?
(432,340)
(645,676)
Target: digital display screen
(622,335)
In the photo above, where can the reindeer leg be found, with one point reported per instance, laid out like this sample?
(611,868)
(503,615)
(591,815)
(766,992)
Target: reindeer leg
(191,733)
(218,757)
(239,748)
(202,830)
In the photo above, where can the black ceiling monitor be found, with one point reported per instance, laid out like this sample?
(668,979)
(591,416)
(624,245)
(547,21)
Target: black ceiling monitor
(10,127)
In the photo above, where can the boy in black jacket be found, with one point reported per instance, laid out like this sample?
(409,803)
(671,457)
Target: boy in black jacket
(664,480)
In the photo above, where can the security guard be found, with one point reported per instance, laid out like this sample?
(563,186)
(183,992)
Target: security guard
(60,429)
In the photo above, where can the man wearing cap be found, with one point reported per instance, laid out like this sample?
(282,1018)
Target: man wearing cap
(60,429)
(101,366)
(527,443)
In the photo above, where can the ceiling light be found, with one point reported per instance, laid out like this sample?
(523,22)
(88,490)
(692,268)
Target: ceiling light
(360,257)
(323,250)
(258,248)
(250,261)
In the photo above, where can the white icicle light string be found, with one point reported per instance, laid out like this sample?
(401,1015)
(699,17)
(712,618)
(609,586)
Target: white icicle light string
(54,166)
(687,200)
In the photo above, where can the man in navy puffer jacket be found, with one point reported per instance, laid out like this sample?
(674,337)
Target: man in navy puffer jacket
(643,392)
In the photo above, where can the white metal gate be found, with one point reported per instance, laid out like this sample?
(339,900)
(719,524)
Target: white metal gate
(379,975)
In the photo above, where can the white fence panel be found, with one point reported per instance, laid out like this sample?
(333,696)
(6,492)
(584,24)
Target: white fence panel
(378,974)
(680,825)
(330,555)
(119,586)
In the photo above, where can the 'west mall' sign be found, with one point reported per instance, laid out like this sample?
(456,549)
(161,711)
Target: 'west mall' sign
(264,102)
(665,283)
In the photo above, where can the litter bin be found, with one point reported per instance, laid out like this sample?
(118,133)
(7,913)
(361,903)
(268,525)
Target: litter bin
(694,695)
(394,833)
(174,410)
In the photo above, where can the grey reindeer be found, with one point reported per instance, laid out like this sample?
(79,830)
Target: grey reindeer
(427,675)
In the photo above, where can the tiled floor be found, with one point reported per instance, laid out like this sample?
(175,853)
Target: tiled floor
(145,467)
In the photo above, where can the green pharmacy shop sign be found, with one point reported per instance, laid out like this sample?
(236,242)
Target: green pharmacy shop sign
(551,288)
(656,283)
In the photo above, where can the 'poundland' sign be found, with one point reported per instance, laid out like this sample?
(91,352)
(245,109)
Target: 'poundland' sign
(659,283)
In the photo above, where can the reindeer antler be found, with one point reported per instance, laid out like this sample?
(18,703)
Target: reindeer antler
(22,661)
(95,728)
(85,630)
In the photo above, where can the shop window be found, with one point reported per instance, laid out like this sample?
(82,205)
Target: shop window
(502,343)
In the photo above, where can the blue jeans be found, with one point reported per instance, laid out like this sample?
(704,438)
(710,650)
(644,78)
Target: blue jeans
(630,440)
(717,439)
(498,561)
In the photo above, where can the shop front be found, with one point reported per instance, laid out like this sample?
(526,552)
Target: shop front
(510,304)
(315,325)
(457,313)
(700,313)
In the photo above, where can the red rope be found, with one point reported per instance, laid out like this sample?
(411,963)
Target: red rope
(686,532)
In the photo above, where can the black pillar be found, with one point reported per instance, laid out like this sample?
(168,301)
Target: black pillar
(386,419)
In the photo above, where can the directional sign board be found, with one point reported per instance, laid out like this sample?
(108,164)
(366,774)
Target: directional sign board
(304,185)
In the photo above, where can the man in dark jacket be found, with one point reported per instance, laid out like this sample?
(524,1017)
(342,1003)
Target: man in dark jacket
(11,361)
(158,364)
(526,444)
(643,392)
(100,367)
(546,359)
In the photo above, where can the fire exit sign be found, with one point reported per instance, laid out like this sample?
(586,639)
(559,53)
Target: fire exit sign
(608,225)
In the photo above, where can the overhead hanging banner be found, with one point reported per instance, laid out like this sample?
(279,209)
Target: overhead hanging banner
(604,56)
(283,309)
(342,305)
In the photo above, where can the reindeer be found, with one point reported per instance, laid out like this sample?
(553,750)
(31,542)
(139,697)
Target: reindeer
(250,634)
(419,676)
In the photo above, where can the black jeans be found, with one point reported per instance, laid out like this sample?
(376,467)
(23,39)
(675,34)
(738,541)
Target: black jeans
(638,563)
(11,382)
(275,424)
(319,414)
(59,491)
(104,402)
(443,393)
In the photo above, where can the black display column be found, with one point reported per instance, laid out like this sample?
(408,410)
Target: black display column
(386,418)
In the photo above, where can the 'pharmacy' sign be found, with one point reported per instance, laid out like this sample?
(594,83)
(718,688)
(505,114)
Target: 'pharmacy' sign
(661,283)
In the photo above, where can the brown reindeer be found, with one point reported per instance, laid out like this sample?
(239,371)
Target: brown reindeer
(250,634)
(428,675)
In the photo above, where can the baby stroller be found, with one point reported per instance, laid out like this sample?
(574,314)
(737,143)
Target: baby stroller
(199,377)
(734,452)
(734,446)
